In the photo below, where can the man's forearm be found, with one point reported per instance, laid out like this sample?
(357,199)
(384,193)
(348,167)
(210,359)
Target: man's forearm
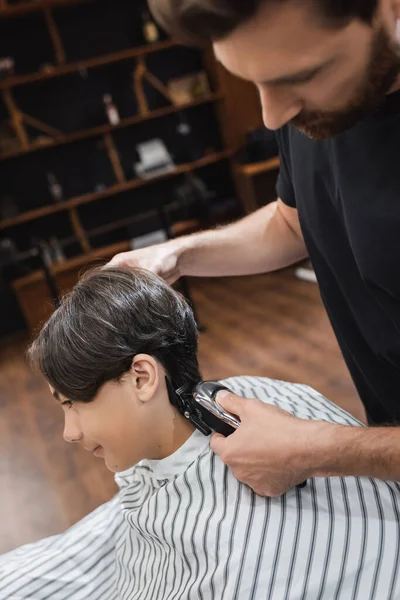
(338,450)
(261,242)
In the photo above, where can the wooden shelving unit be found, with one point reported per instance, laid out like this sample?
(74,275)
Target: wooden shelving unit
(24,8)
(246,175)
(73,263)
(253,169)
(79,262)
(89,63)
(123,186)
(31,289)
(106,128)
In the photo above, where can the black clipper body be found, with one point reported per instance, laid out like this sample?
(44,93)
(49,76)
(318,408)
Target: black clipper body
(199,405)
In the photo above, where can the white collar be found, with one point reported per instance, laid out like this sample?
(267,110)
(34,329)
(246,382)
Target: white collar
(179,461)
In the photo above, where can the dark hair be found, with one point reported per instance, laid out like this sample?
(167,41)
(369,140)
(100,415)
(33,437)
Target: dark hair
(203,21)
(110,316)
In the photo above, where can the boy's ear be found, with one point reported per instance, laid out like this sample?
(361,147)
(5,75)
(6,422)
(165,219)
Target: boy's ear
(145,376)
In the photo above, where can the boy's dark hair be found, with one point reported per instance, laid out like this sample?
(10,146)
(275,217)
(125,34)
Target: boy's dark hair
(204,21)
(110,316)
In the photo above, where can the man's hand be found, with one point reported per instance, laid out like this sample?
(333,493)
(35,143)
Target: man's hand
(271,449)
(162,260)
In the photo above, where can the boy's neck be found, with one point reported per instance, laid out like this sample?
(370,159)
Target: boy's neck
(183,429)
(174,436)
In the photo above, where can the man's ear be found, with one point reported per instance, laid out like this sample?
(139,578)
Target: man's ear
(145,376)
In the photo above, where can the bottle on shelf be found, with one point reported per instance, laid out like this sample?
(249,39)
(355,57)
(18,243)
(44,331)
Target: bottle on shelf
(111,110)
(58,255)
(7,65)
(46,253)
(188,148)
(151,33)
(55,188)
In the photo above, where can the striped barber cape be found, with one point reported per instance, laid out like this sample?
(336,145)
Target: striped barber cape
(184,528)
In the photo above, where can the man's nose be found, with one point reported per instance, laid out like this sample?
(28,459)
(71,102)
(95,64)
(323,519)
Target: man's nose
(72,431)
(279,106)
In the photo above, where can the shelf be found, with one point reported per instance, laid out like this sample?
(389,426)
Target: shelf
(252,169)
(23,8)
(88,63)
(73,263)
(107,128)
(179,228)
(111,191)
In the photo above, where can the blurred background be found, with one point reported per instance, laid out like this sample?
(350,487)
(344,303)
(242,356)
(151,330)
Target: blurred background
(113,136)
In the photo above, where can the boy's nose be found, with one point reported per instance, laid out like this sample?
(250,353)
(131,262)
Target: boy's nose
(72,431)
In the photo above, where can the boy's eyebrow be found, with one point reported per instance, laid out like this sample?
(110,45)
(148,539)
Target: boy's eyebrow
(56,395)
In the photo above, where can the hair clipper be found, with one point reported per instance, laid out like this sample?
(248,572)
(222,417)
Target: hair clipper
(201,407)
(205,395)
(216,417)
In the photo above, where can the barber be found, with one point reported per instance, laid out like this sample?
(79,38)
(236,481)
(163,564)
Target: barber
(328,77)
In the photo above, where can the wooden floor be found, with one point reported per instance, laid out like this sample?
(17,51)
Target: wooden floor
(270,325)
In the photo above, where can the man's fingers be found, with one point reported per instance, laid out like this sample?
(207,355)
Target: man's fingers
(217,443)
(230,402)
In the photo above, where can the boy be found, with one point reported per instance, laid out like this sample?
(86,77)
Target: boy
(182,527)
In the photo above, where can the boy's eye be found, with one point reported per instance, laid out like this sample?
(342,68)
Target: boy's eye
(67,403)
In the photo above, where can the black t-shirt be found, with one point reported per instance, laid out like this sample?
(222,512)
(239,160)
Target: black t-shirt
(347,193)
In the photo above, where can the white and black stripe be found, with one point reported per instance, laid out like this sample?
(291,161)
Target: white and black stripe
(185,528)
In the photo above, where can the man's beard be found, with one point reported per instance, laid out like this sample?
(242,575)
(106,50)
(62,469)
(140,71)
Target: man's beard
(382,71)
